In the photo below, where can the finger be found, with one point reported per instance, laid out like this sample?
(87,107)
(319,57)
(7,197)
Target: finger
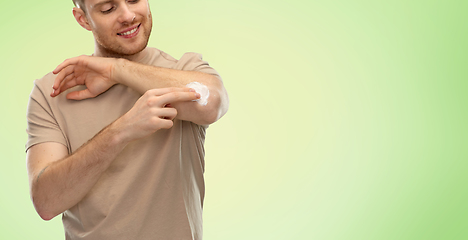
(67,62)
(173,97)
(80,95)
(61,76)
(162,91)
(168,113)
(60,67)
(64,64)
(166,123)
(67,83)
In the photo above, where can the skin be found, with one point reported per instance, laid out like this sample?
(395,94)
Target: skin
(59,181)
(108,19)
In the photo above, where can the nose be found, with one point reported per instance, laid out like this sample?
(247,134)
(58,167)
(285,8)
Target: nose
(126,14)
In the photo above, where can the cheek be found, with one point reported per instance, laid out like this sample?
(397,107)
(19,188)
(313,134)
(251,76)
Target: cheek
(149,16)
(147,10)
(103,28)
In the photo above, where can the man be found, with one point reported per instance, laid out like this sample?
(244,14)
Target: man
(116,139)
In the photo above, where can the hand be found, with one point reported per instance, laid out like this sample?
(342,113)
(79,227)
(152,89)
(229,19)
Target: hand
(93,72)
(152,112)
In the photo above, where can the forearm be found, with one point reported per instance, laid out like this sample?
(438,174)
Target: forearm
(141,78)
(62,184)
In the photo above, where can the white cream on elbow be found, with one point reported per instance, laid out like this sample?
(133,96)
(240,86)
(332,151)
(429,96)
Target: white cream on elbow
(202,90)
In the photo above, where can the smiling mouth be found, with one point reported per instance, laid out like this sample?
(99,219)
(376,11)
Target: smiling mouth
(129,31)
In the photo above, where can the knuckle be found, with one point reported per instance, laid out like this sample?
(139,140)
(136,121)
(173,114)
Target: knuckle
(149,102)
(150,92)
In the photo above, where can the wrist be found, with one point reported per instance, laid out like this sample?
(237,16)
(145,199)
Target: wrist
(119,66)
(116,132)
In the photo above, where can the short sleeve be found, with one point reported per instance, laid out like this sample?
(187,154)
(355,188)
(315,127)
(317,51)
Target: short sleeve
(41,123)
(193,62)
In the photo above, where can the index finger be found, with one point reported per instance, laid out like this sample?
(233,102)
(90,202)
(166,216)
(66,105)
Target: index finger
(162,91)
(173,97)
(66,63)
(65,74)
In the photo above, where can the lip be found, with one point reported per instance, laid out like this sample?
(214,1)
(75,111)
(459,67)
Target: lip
(128,29)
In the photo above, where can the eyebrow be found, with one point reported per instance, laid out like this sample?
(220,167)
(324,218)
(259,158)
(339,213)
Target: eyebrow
(101,3)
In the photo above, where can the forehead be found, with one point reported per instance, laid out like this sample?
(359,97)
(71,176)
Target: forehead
(97,3)
(93,4)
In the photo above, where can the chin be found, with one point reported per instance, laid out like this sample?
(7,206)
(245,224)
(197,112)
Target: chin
(112,48)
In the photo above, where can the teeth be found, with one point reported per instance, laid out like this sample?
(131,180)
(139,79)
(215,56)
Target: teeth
(129,32)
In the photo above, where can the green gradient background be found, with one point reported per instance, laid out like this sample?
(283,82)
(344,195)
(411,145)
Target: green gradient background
(347,120)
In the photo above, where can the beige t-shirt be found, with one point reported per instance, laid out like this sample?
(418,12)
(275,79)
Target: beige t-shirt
(154,189)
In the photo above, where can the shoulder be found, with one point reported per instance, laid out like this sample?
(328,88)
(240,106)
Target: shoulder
(191,57)
(159,58)
(162,59)
(43,85)
(163,55)
(42,89)
(167,56)
(190,61)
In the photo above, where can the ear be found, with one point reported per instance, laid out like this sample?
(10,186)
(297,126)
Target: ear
(81,18)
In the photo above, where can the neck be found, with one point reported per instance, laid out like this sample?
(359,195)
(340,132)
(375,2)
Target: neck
(99,52)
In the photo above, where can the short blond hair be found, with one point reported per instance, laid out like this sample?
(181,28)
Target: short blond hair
(80,4)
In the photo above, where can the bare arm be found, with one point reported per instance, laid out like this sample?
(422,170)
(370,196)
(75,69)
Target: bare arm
(143,77)
(99,74)
(58,182)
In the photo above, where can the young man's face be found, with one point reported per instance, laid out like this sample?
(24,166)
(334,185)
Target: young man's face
(120,27)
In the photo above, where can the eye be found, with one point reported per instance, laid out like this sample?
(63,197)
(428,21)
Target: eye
(133,1)
(108,10)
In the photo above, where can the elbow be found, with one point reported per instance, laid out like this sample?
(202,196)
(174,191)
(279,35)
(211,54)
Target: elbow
(210,118)
(220,102)
(216,108)
(223,104)
(46,217)
(41,209)
(45,214)
(207,116)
